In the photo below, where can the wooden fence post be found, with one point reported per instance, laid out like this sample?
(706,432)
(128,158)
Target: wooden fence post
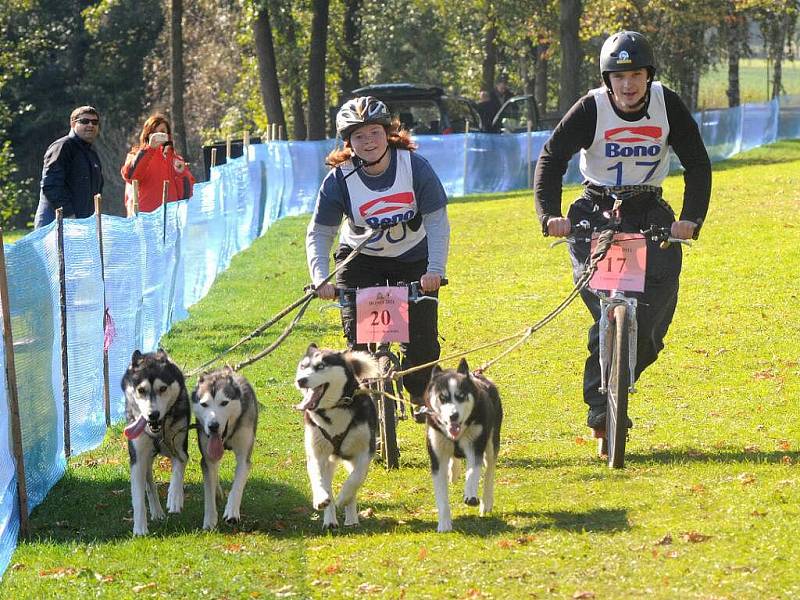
(62,287)
(164,194)
(13,396)
(98,211)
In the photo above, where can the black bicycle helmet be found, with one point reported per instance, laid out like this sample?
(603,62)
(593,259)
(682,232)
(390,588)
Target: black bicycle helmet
(626,51)
(361,111)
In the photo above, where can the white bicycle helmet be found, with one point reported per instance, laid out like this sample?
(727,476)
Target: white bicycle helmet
(361,111)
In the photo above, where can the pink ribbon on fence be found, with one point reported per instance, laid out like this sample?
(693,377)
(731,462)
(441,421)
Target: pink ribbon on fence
(109,331)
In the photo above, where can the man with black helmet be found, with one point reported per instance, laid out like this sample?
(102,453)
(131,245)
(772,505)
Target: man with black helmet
(384,190)
(623,131)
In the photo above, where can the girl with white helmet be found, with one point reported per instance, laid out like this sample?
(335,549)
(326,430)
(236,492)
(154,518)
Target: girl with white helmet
(382,189)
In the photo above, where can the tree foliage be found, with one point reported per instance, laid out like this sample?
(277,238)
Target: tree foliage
(114,54)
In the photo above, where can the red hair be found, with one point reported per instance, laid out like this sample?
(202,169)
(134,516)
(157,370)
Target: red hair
(150,125)
(397,138)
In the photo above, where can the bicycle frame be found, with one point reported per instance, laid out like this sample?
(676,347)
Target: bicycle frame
(607,304)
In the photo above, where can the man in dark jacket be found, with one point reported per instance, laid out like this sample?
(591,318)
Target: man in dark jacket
(72,174)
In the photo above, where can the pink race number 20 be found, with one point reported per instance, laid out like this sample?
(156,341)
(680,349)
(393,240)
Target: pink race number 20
(382,315)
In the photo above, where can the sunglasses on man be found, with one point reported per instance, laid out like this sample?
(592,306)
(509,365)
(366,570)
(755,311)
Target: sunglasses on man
(85,121)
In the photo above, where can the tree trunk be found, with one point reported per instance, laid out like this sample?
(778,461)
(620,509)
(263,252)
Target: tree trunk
(176,76)
(316,70)
(489,47)
(569,88)
(350,50)
(267,69)
(736,32)
(284,21)
(540,85)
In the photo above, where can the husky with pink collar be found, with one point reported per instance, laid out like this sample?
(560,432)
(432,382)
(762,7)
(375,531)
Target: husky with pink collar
(464,415)
(226,409)
(157,412)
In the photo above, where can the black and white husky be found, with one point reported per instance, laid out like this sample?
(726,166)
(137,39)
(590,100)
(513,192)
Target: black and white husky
(464,415)
(225,406)
(340,425)
(157,412)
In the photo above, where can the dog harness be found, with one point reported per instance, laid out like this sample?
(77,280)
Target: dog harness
(337,440)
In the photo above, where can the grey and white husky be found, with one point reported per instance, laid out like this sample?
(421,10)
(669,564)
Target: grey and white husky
(157,412)
(464,415)
(225,406)
(340,426)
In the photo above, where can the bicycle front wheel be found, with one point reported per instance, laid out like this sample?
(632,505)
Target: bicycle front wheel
(618,384)
(390,453)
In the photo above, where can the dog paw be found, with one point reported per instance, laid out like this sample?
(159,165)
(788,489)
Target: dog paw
(231,517)
(330,526)
(158,514)
(209,525)
(471,501)
(174,503)
(351,523)
(322,504)
(485,509)
(444,526)
(140,529)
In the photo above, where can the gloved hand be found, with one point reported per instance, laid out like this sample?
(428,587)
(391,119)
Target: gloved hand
(157,139)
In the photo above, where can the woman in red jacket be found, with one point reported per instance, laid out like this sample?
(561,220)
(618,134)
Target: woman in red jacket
(152,162)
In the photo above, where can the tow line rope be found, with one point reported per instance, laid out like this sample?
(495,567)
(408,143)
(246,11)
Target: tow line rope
(604,242)
(302,302)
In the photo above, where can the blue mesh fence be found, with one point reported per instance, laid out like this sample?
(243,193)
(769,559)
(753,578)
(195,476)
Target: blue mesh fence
(160,263)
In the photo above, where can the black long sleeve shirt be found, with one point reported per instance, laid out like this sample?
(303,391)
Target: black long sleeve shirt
(576,131)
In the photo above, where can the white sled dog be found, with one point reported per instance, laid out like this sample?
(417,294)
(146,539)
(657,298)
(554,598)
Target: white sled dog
(464,415)
(157,412)
(340,425)
(225,406)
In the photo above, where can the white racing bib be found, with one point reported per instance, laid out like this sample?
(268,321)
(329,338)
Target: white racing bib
(395,207)
(628,152)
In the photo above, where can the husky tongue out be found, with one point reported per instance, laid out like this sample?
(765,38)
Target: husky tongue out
(454,430)
(136,428)
(311,397)
(215,447)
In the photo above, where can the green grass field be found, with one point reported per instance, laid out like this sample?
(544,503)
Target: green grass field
(707,507)
(752,82)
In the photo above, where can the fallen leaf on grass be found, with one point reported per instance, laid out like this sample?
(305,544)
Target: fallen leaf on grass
(332,569)
(284,592)
(301,510)
(369,588)
(784,445)
(758,513)
(787,460)
(581,595)
(423,553)
(694,537)
(505,544)
(164,464)
(522,540)
(233,548)
(103,578)
(58,572)
(746,478)
(752,449)
(142,587)
(664,541)
(698,488)
(765,374)
(367,513)
(580,441)
(18,566)
(473,593)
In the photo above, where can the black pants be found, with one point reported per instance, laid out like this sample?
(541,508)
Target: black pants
(656,305)
(423,328)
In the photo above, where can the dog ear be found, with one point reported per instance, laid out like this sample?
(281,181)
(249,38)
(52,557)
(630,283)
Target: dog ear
(463,367)
(435,370)
(137,356)
(312,348)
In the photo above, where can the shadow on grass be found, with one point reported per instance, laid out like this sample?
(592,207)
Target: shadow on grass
(600,520)
(82,510)
(725,455)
